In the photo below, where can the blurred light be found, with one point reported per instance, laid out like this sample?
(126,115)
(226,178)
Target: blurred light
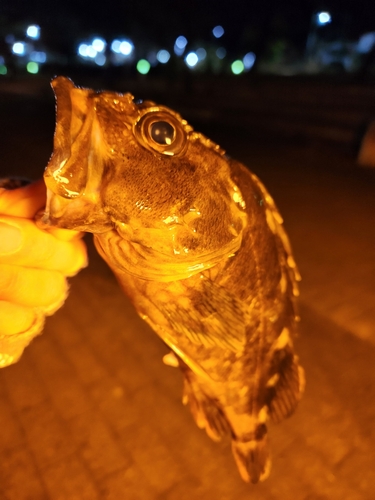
(99,44)
(115,46)
(39,57)
(221,52)
(366,42)
(237,67)
(201,53)
(33,31)
(249,60)
(91,52)
(10,39)
(163,56)
(82,50)
(218,31)
(18,48)
(100,59)
(191,59)
(126,47)
(32,67)
(181,42)
(3,69)
(2,60)
(143,66)
(323,18)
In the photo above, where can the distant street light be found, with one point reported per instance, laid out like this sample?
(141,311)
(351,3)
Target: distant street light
(323,18)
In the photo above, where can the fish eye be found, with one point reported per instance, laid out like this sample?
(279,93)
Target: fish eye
(160,131)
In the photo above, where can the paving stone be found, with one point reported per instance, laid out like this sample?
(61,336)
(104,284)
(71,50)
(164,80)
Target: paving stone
(19,477)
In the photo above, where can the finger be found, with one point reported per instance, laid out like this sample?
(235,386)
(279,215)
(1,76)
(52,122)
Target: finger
(33,287)
(15,318)
(24,244)
(25,201)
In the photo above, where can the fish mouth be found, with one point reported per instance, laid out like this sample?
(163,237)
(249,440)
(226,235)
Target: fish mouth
(74,173)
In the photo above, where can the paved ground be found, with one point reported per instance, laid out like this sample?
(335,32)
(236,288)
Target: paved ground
(90,412)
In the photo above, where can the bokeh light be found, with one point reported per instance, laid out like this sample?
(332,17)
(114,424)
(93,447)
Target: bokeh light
(38,56)
(32,67)
(99,44)
(201,53)
(218,31)
(163,56)
(237,67)
(221,52)
(3,69)
(191,59)
(33,31)
(179,45)
(249,60)
(143,66)
(18,48)
(126,47)
(100,59)
(323,18)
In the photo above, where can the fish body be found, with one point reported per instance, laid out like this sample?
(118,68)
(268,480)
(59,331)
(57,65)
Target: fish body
(198,246)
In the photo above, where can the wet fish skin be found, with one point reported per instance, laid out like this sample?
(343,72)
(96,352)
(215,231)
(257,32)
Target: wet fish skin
(197,244)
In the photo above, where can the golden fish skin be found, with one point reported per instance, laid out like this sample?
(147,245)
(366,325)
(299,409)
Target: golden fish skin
(198,246)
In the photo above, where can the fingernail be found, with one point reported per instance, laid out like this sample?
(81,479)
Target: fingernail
(10,238)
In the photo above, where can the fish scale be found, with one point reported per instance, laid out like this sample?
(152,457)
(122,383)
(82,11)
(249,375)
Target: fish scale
(197,244)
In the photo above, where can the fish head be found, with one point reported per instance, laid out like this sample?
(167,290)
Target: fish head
(138,176)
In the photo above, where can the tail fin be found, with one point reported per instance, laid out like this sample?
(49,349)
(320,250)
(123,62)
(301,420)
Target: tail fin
(252,457)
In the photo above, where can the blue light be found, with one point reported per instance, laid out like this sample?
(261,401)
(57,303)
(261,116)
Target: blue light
(126,47)
(33,31)
(163,56)
(38,56)
(323,18)
(218,31)
(115,46)
(181,42)
(82,50)
(100,59)
(99,44)
(249,60)
(221,52)
(191,59)
(18,48)
(201,53)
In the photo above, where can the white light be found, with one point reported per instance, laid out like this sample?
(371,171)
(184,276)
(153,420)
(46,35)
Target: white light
(100,59)
(249,60)
(91,52)
(221,52)
(82,50)
(99,44)
(126,48)
(115,46)
(191,59)
(39,57)
(324,18)
(201,53)
(163,56)
(218,31)
(33,31)
(181,42)
(18,48)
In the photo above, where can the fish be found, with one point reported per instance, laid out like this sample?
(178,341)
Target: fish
(197,244)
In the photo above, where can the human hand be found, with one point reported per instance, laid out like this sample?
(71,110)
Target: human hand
(34,265)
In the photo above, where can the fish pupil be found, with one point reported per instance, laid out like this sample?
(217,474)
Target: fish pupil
(162,133)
